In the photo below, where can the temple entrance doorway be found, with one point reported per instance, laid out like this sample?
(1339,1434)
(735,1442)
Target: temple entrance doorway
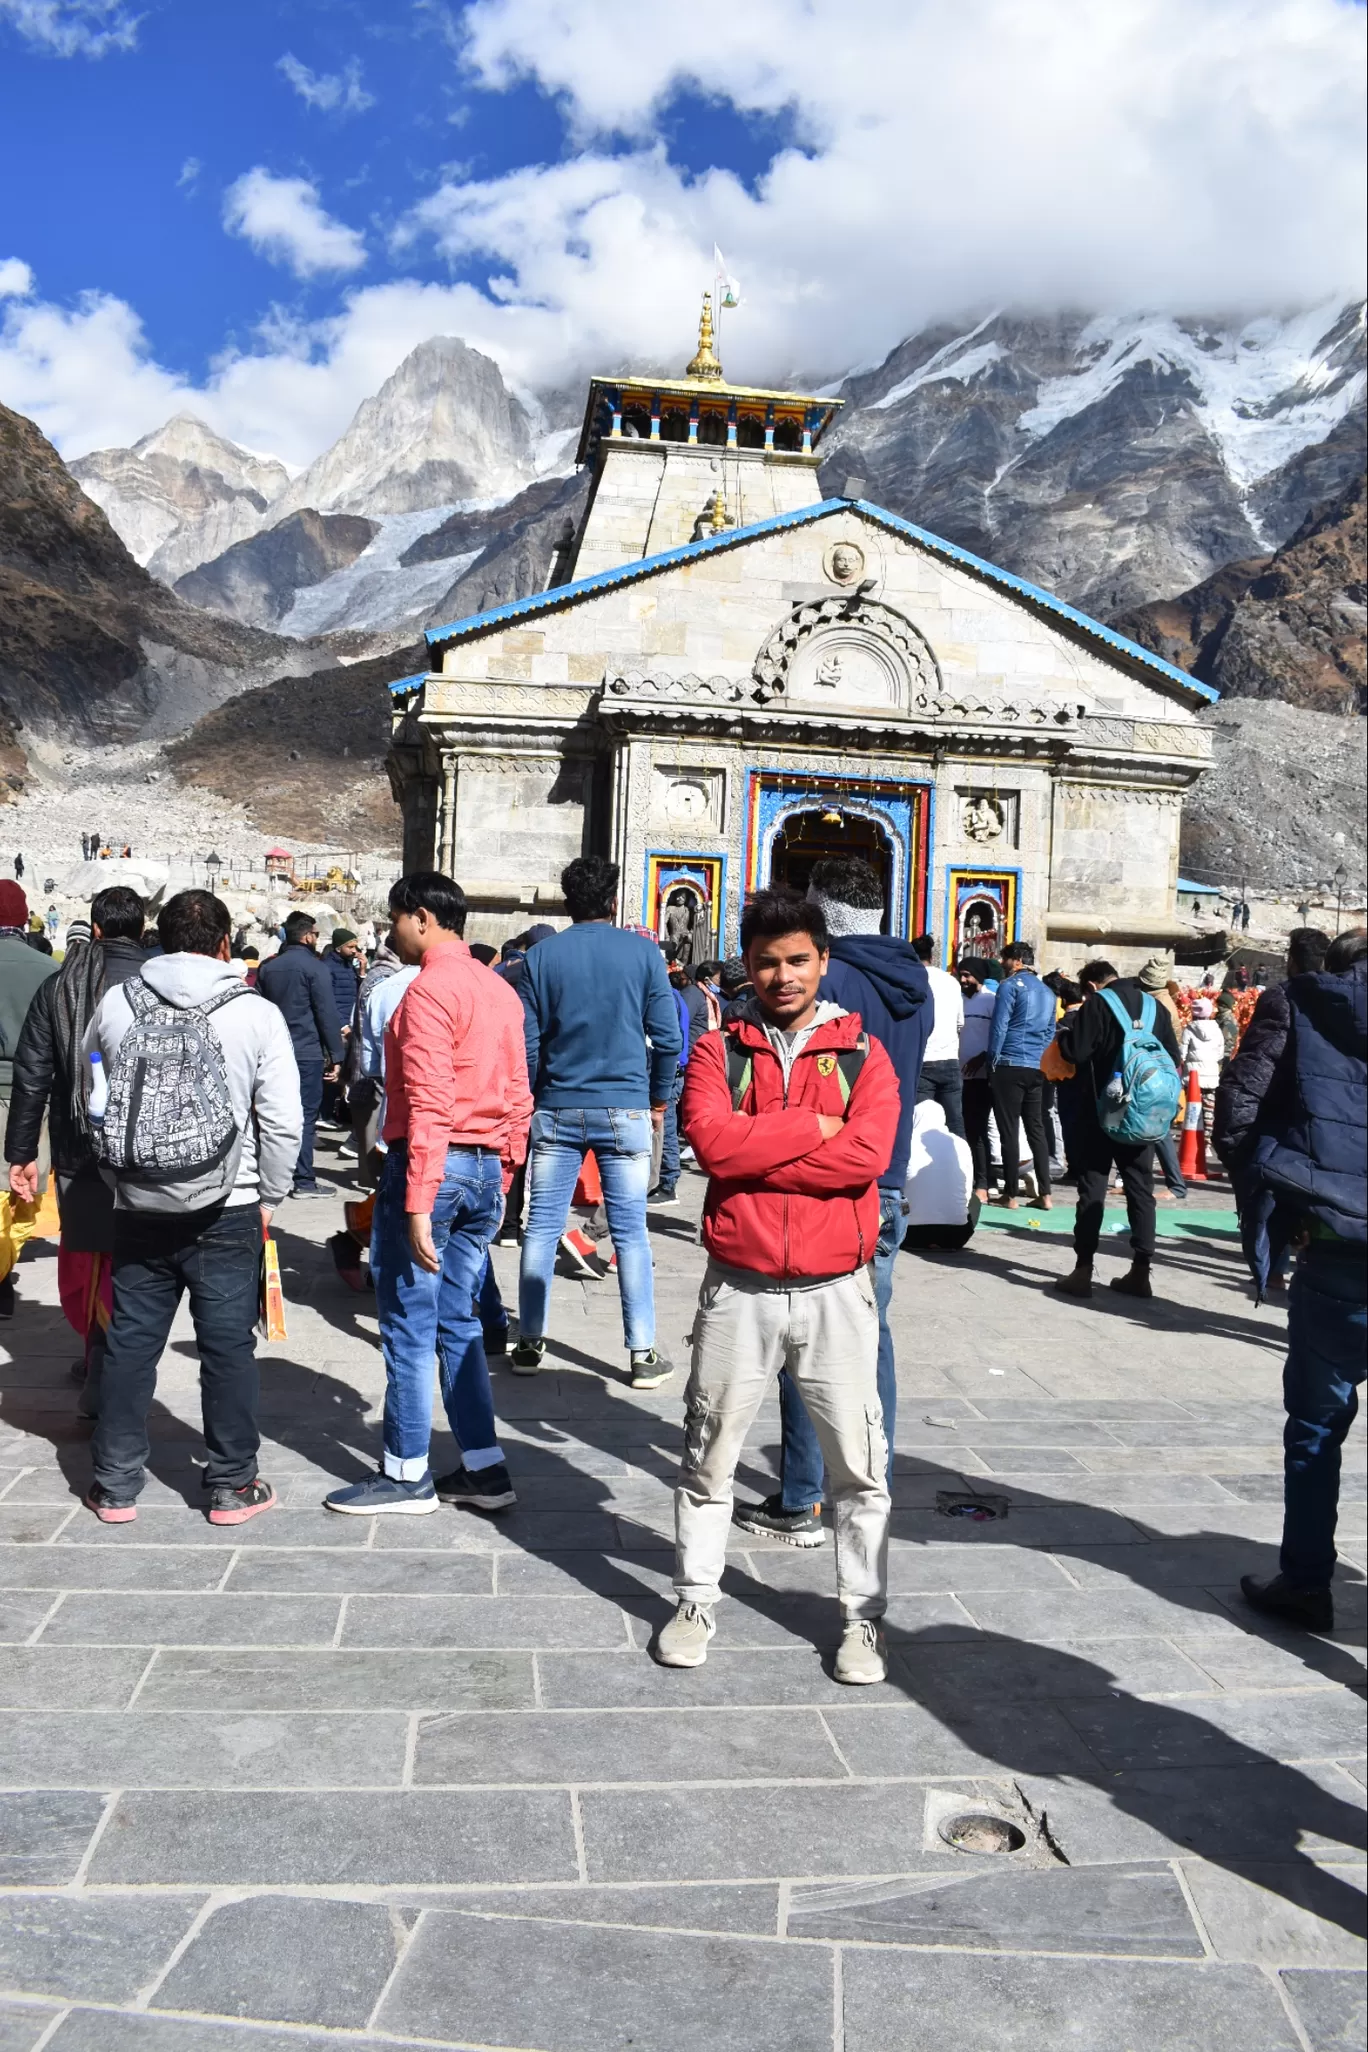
(806,838)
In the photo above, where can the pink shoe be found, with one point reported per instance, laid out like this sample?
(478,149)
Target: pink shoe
(235,1506)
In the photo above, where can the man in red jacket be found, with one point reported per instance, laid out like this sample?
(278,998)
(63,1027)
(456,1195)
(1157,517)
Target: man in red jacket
(792,1110)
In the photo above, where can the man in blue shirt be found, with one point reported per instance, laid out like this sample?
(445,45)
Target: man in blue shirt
(594,997)
(883,979)
(1023,1027)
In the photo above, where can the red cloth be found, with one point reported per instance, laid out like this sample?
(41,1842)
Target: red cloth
(589,1188)
(781,1200)
(85,1284)
(455,1069)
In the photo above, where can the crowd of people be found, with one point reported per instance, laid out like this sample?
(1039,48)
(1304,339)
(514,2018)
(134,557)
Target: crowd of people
(843,1096)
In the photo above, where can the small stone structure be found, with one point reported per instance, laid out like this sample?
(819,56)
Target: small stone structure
(739,677)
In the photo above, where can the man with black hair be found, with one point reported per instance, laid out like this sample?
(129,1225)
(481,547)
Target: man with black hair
(199,1231)
(457,1109)
(50,1076)
(603,1047)
(1306,1189)
(300,985)
(1023,1026)
(793,1112)
(1092,1039)
(884,981)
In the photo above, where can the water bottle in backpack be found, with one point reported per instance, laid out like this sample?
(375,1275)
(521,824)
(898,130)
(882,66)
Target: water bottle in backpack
(1141,1098)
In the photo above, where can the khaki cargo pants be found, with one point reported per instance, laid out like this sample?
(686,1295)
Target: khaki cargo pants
(826,1334)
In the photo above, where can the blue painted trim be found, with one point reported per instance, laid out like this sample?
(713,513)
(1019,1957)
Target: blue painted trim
(409,683)
(803,516)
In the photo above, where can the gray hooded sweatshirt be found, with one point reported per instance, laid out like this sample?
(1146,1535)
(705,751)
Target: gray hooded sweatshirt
(263,1079)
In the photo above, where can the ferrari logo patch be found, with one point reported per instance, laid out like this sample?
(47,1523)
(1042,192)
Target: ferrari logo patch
(826,1065)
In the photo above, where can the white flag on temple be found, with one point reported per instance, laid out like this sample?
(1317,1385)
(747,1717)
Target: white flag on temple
(728,290)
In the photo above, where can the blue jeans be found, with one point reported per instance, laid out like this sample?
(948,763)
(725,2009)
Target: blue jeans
(1166,1154)
(489,1305)
(215,1255)
(1327,1330)
(801,1476)
(621,1141)
(422,1315)
(669,1148)
(311,1098)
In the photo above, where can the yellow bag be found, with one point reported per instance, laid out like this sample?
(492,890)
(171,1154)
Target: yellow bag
(21,1221)
(272,1322)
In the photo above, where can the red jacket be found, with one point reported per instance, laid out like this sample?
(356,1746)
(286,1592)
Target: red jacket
(455,1069)
(781,1200)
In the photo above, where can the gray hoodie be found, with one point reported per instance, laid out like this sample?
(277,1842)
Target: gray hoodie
(263,1078)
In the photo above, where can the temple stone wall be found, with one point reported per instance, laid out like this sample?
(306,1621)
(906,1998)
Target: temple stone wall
(651,496)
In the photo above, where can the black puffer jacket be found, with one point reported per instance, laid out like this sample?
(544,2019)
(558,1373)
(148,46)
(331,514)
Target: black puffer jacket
(46,1057)
(1311,1154)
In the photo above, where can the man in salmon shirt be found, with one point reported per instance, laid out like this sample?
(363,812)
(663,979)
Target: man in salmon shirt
(457,1111)
(792,1109)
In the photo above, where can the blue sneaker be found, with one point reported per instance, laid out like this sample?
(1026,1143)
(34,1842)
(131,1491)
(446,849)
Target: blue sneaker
(382,1493)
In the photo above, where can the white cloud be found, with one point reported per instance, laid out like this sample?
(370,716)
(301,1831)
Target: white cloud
(330,91)
(1190,155)
(283,219)
(189,174)
(73,28)
(16,279)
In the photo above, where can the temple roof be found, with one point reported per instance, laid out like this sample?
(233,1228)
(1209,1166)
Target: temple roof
(1104,640)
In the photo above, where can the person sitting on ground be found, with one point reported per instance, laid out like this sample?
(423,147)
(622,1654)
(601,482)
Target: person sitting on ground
(1308,1189)
(301,988)
(457,1109)
(940,1076)
(51,1076)
(603,1047)
(793,1112)
(942,1208)
(1092,1039)
(976,1083)
(1023,1027)
(883,979)
(192,1199)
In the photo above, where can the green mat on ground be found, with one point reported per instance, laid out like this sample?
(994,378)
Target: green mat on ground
(1174,1221)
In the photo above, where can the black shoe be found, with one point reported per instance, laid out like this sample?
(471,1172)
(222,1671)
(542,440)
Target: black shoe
(496,1343)
(769,1520)
(662,1197)
(234,1506)
(649,1368)
(314,1190)
(1312,1609)
(487,1489)
(7,1297)
(1078,1283)
(526,1357)
(1135,1282)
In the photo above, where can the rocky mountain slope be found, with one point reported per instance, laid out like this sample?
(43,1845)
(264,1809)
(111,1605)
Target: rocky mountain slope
(256,580)
(1284,802)
(1289,625)
(181,495)
(1112,460)
(90,644)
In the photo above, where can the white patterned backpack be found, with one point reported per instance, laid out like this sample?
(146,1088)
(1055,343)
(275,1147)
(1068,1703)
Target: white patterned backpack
(169,1118)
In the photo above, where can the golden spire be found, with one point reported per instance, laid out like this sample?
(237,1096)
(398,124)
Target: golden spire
(705,363)
(721,519)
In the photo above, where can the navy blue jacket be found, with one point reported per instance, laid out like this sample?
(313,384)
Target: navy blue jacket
(592,996)
(1023,1021)
(299,985)
(345,983)
(879,976)
(1308,1160)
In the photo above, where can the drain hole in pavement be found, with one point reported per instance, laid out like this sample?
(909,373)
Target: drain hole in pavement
(977,1831)
(952,1503)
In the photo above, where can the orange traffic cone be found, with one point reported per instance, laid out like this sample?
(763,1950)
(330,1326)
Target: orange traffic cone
(1192,1153)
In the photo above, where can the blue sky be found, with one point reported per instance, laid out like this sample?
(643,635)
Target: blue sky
(255,207)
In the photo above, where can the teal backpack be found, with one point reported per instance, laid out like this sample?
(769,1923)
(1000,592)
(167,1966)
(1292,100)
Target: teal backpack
(1139,1103)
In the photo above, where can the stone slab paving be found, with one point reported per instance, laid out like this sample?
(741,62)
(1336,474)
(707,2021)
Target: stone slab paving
(320,1784)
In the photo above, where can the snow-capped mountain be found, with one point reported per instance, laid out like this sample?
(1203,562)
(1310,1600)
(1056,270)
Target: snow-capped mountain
(1112,459)
(181,494)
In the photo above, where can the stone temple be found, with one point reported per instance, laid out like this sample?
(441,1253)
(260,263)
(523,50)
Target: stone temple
(731,676)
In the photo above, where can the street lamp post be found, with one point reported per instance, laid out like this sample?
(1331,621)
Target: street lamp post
(212,865)
(1340,879)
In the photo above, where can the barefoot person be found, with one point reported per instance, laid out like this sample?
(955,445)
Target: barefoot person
(792,1110)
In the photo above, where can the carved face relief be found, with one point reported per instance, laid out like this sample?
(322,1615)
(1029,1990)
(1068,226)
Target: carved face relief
(844,562)
(686,802)
(982,819)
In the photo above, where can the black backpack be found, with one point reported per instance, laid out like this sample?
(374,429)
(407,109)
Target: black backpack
(741,1069)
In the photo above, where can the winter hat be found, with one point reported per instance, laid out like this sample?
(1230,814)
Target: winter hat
(13,904)
(341,935)
(735,975)
(1202,1008)
(537,934)
(844,919)
(1157,973)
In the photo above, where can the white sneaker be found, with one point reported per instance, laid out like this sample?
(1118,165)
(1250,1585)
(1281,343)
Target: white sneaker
(683,1642)
(863,1656)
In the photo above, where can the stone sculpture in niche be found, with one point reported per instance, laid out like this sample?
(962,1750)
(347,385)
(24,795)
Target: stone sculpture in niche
(687,802)
(879,657)
(982,819)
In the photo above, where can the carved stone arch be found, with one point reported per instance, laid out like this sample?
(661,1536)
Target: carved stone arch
(820,641)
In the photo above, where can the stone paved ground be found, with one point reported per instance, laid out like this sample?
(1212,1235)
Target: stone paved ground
(316,1783)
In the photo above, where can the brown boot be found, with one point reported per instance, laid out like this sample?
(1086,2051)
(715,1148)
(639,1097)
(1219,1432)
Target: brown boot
(1135,1282)
(1078,1283)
